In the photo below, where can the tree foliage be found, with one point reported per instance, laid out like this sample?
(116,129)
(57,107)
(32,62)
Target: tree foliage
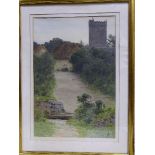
(111,41)
(97,67)
(43,75)
(53,44)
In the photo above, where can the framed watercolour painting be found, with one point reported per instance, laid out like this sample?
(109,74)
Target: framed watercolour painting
(77,77)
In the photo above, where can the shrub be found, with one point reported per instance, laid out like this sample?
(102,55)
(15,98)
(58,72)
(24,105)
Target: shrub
(94,113)
(86,109)
(105,118)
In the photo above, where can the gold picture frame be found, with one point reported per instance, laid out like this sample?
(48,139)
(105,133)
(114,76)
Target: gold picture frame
(131,73)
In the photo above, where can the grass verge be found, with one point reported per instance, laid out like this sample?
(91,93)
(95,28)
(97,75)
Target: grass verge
(44,129)
(90,131)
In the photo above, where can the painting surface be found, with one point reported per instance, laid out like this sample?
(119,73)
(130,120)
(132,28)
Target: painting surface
(74,77)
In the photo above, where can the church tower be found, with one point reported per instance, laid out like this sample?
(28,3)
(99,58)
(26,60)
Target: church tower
(97,33)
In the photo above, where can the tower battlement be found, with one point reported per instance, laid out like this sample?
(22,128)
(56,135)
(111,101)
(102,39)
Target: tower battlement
(97,22)
(97,33)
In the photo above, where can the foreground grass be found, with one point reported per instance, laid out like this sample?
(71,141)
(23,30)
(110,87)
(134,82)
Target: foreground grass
(89,131)
(44,129)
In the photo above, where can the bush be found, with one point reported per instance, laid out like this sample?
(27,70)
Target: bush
(105,118)
(86,108)
(99,106)
(94,113)
(78,59)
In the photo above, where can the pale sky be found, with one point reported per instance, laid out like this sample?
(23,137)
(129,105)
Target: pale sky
(69,29)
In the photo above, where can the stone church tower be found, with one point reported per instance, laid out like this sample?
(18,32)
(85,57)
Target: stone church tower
(97,33)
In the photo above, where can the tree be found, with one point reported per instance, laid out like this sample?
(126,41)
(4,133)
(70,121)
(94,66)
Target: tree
(111,41)
(35,44)
(81,43)
(53,44)
(96,67)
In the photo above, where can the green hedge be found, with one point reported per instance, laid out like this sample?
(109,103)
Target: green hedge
(44,81)
(96,67)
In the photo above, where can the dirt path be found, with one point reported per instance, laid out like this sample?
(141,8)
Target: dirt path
(63,129)
(69,86)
